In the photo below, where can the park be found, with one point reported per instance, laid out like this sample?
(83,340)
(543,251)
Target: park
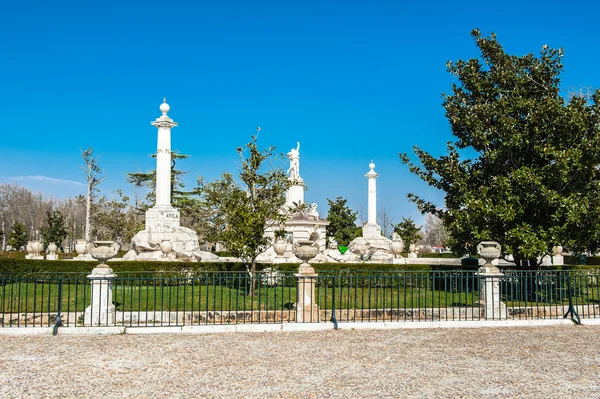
(300,272)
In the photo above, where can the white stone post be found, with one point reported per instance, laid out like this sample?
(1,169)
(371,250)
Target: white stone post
(489,279)
(101,312)
(307,310)
(371,230)
(163,157)
(372,200)
(557,257)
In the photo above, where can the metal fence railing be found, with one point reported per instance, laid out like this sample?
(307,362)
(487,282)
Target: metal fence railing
(203,298)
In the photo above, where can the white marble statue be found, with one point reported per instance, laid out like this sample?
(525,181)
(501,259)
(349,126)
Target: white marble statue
(312,211)
(294,156)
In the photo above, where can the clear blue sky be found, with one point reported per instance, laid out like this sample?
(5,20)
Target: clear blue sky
(351,80)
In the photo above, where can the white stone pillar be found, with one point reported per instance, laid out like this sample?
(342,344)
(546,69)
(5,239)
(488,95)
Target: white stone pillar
(163,157)
(101,311)
(489,293)
(557,257)
(371,230)
(372,200)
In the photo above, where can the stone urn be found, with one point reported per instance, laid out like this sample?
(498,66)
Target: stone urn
(305,251)
(279,247)
(37,247)
(489,250)
(166,246)
(557,250)
(397,246)
(29,248)
(51,248)
(103,251)
(81,247)
(413,251)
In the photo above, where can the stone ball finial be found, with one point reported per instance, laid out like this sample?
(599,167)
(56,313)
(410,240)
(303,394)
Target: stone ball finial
(372,165)
(164,107)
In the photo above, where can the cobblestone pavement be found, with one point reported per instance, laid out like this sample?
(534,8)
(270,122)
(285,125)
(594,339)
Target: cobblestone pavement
(535,362)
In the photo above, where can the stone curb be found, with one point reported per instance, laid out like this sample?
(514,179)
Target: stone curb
(244,328)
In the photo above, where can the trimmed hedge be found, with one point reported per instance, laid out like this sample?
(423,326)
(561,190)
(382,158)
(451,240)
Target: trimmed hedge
(19,266)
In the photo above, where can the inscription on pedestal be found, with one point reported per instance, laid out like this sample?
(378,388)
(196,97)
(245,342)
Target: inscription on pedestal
(161,217)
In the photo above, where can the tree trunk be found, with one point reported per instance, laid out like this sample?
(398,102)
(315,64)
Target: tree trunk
(252,289)
(88,207)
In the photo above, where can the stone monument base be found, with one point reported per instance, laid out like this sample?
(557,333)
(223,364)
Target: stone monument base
(184,241)
(52,257)
(376,248)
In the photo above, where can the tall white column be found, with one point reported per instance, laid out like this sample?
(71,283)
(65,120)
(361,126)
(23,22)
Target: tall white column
(371,231)
(372,201)
(163,157)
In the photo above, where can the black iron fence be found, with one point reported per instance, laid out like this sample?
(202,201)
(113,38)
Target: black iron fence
(203,298)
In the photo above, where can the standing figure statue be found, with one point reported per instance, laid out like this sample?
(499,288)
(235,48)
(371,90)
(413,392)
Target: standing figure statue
(294,156)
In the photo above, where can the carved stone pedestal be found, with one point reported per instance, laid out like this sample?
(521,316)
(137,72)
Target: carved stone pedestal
(101,312)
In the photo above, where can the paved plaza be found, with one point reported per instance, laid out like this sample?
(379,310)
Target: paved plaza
(533,362)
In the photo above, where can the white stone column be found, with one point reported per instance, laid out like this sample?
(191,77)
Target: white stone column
(101,311)
(163,157)
(489,282)
(371,230)
(557,257)
(372,200)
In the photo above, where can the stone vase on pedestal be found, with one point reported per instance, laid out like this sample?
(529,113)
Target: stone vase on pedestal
(489,281)
(557,257)
(29,248)
(413,251)
(396,247)
(51,252)
(101,312)
(165,247)
(306,308)
(36,249)
(280,247)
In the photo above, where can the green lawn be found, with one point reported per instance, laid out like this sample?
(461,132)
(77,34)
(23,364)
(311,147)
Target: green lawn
(157,295)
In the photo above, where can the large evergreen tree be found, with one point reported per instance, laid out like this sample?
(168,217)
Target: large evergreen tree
(342,222)
(408,231)
(18,236)
(524,167)
(55,230)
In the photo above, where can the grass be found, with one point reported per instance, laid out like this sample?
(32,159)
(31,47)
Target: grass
(195,295)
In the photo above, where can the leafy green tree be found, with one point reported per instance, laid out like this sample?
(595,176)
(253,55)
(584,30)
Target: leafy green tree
(18,236)
(55,229)
(240,212)
(524,167)
(342,222)
(408,231)
(116,219)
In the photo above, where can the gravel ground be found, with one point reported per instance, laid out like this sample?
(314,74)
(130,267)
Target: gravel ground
(536,362)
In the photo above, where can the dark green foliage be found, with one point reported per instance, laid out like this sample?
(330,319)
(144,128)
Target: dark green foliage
(532,181)
(55,230)
(20,266)
(18,236)
(408,231)
(342,222)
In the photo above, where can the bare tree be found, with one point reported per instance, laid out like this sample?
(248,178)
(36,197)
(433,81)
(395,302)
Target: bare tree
(580,91)
(92,170)
(385,221)
(434,229)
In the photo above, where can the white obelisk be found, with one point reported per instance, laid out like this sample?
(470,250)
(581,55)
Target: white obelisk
(163,214)
(371,230)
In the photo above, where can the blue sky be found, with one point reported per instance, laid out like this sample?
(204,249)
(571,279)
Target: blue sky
(351,80)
